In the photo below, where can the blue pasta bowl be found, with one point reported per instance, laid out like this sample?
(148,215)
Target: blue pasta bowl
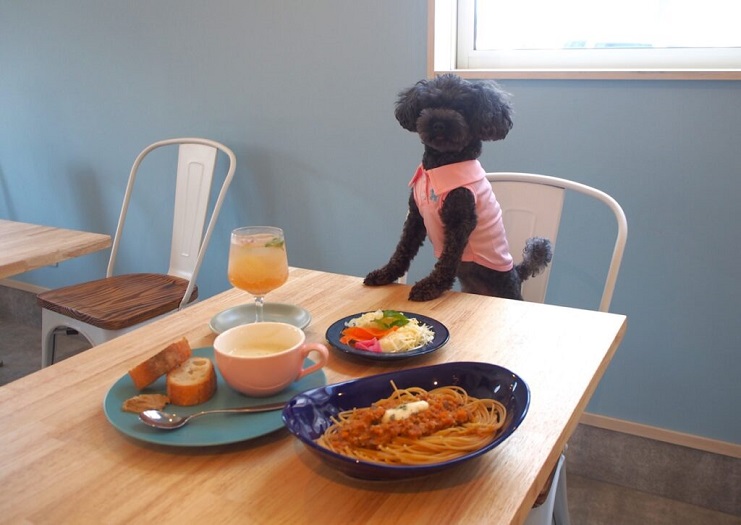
(309,414)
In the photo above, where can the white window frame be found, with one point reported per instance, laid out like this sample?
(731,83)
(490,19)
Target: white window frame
(444,42)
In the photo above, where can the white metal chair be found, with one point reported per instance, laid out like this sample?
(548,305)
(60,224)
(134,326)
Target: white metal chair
(531,206)
(106,308)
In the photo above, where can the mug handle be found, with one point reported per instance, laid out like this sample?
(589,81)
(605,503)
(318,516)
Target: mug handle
(308,348)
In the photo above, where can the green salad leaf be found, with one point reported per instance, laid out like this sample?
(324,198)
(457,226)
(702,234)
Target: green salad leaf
(391,318)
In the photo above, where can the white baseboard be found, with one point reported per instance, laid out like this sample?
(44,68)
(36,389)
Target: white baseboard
(20,285)
(661,434)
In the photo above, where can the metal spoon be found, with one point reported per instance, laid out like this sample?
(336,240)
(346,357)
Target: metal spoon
(167,421)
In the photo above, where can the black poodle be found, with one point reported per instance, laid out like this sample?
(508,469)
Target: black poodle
(451,200)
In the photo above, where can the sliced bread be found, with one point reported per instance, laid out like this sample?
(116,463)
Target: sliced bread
(147,372)
(142,402)
(192,383)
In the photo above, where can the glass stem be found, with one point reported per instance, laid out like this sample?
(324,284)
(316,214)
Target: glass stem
(259,302)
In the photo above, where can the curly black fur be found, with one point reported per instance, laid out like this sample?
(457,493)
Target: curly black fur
(452,117)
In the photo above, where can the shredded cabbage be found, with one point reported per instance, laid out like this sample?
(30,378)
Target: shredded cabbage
(408,337)
(367,319)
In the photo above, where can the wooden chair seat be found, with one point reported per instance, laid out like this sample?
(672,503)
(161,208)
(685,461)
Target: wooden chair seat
(118,302)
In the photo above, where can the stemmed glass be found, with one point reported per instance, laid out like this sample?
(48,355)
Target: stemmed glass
(258,262)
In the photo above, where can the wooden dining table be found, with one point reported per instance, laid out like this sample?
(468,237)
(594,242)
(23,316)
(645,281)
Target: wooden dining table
(25,246)
(62,461)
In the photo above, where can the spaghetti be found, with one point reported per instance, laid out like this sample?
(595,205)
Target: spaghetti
(425,427)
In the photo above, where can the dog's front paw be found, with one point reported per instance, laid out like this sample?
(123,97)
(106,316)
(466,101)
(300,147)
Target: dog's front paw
(380,277)
(425,290)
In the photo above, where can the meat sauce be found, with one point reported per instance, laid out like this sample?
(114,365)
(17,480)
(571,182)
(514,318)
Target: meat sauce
(369,430)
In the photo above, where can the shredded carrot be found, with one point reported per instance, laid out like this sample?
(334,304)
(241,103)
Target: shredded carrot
(356,333)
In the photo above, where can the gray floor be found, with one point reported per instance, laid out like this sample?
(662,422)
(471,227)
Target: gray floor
(613,478)
(20,344)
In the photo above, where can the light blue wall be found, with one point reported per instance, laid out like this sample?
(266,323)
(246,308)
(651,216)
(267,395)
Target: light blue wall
(304,91)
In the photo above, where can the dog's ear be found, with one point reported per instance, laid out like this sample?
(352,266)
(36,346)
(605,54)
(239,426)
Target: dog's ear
(492,116)
(408,106)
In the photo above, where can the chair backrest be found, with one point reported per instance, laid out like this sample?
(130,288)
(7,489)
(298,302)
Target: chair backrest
(531,206)
(195,170)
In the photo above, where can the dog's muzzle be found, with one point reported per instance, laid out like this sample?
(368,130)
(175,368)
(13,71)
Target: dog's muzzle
(443,129)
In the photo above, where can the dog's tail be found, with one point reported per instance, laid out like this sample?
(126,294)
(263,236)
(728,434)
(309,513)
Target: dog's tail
(537,254)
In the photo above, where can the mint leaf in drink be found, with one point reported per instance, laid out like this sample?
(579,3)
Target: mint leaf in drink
(275,242)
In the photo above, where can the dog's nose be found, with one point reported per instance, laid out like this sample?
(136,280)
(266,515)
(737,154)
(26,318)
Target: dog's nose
(438,127)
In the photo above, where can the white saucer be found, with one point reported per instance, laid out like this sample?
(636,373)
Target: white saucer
(245,314)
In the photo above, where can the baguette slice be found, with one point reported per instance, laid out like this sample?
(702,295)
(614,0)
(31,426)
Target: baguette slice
(147,372)
(192,383)
(142,402)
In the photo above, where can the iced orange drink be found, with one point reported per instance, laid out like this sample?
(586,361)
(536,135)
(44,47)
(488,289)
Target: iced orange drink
(257,260)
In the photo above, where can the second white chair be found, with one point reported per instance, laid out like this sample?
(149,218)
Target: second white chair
(106,308)
(532,205)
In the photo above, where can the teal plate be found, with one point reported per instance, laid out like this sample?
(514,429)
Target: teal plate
(213,429)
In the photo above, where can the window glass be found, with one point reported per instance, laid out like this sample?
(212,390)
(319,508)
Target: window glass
(579,24)
(587,38)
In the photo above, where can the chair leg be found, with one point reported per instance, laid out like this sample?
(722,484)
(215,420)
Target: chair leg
(561,505)
(48,346)
(544,514)
(50,328)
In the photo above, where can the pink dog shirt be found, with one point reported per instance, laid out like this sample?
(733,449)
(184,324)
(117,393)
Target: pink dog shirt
(487,245)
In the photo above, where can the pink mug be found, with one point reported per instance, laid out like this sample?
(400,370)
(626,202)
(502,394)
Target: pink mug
(261,359)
